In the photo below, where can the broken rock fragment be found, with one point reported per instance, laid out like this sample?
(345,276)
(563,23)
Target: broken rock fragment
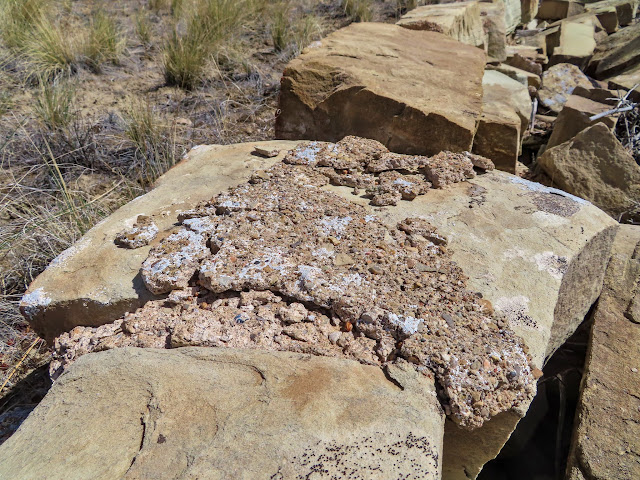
(140,234)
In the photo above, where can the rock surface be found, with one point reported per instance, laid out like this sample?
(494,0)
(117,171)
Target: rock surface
(606,442)
(95,281)
(416,92)
(594,165)
(574,116)
(558,83)
(558,9)
(213,413)
(619,52)
(495,225)
(506,112)
(460,21)
(492,15)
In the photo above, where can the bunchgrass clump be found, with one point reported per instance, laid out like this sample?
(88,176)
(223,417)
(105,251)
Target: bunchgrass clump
(154,144)
(53,104)
(49,50)
(18,18)
(104,42)
(358,10)
(280,25)
(143,28)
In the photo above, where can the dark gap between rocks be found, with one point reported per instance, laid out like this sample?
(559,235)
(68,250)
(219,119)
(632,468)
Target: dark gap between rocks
(539,446)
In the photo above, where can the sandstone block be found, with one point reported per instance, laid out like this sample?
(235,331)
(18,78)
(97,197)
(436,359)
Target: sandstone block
(619,52)
(536,255)
(506,113)
(558,83)
(460,21)
(574,116)
(213,413)
(416,92)
(625,10)
(526,78)
(557,9)
(492,15)
(594,165)
(606,438)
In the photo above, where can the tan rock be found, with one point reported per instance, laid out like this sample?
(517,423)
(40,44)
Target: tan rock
(416,92)
(68,293)
(529,10)
(526,78)
(594,165)
(525,58)
(460,21)
(213,413)
(574,116)
(492,15)
(619,52)
(496,224)
(627,80)
(557,9)
(573,42)
(625,10)
(512,14)
(558,83)
(606,438)
(506,113)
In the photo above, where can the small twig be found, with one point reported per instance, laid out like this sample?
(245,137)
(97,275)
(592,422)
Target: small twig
(612,111)
(534,110)
(15,368)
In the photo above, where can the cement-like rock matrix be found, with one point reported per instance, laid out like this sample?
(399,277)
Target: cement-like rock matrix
(280,264)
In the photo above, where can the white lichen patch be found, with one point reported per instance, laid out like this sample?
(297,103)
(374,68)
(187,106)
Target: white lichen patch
(31,303)
(141,233)
(554,265)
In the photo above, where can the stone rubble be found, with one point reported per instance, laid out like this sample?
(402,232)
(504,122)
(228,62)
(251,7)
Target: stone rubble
(280,264)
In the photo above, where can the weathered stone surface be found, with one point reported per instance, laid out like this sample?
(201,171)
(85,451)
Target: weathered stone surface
(627,80)
(460,21)
(574,116)
(625,10)
(416,92)
(95,281)
(526,78)
(606,439)
(213,413)
(558,83)
(574,42)
(619,52)
(529,10)
(594,165)
(492,15)
(537,255)
(557,9)
(512,14)
(525,58)
(506,113)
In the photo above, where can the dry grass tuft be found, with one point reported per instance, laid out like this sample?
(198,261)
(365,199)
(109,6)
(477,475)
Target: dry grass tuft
(104,42)
(358,10)
(53,104)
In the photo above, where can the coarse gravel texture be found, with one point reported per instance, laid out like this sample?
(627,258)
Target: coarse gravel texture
(279,263)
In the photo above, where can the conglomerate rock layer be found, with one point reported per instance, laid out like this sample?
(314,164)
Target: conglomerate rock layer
(280,264)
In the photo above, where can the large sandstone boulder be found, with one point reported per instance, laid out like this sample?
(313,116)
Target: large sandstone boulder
(96,280)
(619,52)
(574,41)
(536,255)
(625,10)
(627,80)
(575,115)
(607,438)
(460,21)
(416,92)
(213,413)
(594,165)
(505,115)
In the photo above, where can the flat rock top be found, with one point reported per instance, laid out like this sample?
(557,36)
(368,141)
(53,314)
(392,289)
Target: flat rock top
(229,414)
(96,280)
(424,70)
